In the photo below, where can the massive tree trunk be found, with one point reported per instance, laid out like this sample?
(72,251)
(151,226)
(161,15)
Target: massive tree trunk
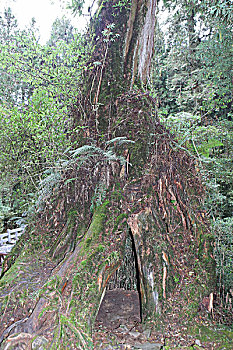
(129,177)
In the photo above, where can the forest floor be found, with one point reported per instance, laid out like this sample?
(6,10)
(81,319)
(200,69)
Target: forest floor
(118,324)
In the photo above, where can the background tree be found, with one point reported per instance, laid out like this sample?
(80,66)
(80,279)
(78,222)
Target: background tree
(62,29)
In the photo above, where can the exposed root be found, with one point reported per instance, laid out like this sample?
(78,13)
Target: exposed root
(17,339)
(10,328)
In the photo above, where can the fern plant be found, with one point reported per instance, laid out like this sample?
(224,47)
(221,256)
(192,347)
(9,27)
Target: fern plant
(88,157)
(47,186)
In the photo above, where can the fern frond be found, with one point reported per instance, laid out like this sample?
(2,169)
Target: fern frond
(47,186)
(92,151)
(111,156)
(121,140)
(86,149)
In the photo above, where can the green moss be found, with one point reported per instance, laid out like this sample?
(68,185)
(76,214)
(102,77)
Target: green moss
(91,257)
(117,195)
(96,226)
(88,242)
(100,248)
(221,336)
(119,218)
(83,263)
(72,213)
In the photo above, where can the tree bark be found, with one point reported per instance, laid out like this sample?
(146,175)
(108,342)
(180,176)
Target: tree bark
(155,194)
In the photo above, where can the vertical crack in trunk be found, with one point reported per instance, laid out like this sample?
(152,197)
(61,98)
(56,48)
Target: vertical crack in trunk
(139,44)
(146,41)
(137,272)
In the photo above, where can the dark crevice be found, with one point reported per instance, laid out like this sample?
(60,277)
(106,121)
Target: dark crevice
(127,277)
(137,271)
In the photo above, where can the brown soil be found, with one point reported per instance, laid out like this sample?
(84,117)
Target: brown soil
(119,307)
(118,324)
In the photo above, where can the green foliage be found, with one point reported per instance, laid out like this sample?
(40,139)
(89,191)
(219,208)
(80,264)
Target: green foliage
(76,6)
(118,141)
(191,134)
(123,4)
(193,70)
(224,251)
(212,145)
(38,85)
(220,9)
(62,30)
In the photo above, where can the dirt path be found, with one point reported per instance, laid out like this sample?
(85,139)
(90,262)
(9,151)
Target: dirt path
(118,324)
(118,327)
